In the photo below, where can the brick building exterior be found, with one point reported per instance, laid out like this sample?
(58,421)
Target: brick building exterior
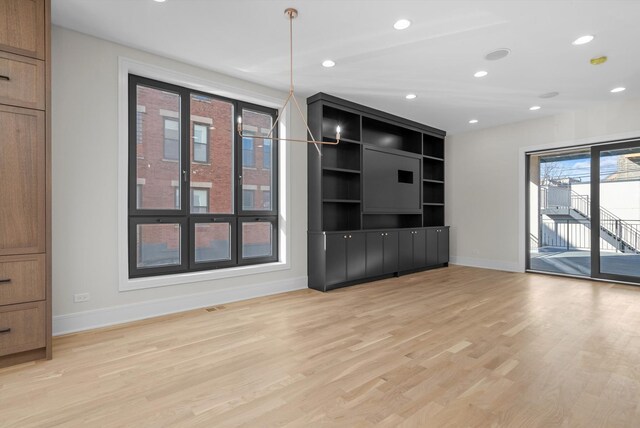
(159,176)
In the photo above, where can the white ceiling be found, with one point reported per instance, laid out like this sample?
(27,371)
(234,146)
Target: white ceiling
(377,66)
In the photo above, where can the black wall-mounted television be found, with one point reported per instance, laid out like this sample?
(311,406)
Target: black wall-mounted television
(391,182)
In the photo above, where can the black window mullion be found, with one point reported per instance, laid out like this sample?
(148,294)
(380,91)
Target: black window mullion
(185,128)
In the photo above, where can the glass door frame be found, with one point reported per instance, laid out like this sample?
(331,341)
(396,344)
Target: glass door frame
(596,150)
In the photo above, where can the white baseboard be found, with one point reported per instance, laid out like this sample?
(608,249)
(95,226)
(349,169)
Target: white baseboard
(486,264)
(80,321)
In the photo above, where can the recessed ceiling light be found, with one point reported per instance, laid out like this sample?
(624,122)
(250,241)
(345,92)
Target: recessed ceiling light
(550,94)
(480,73)
(618,89)
(328,63)
(159,1)
(402,24)
(497,54)
(583,40)
(532,108)
(473,121)
(411,96)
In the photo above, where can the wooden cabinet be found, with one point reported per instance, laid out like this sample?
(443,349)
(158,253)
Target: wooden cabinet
(384,181)
(25,174)
(437,246)
(22,81)
(22,174)
(22,328)
(22,279)
(412,249)
(345,257)
(382,253)
(22,27)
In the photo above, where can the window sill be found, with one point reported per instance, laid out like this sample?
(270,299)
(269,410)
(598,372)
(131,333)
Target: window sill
(129,284)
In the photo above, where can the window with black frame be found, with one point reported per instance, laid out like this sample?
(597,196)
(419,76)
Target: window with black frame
(200,197)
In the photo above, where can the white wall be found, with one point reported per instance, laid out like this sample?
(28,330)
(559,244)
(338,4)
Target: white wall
(485,178)
(621,198)
(85,154)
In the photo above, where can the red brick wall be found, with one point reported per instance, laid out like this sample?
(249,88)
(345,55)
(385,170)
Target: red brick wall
(160,174)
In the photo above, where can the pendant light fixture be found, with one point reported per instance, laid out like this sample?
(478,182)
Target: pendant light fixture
(291,14)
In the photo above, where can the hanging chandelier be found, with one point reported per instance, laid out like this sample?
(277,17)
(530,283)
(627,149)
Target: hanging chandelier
(291,13)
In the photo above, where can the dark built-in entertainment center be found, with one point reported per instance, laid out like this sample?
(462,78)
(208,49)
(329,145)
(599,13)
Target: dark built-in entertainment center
(376,199)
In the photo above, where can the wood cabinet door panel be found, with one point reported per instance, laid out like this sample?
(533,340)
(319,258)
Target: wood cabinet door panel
(432,247)
(22,174)
(375,245)
(443,245)
(22,327)
(391,252)
(22,27)
(22,279)
(336,259)
(21,81)
(419,249)
(356,256)
(406,250)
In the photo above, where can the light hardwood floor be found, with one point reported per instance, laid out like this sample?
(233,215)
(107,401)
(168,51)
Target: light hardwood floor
(450,347)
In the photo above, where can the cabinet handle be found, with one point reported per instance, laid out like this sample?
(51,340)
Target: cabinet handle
(5,330)
(7,78)
(5,280)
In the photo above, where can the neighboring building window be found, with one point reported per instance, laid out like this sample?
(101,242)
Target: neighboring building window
(266,199)
(199,201)
(221,221)
(171,139)
(139,195)
(248,154)
(266,154)
(200,143)
(139,126)
(248,198)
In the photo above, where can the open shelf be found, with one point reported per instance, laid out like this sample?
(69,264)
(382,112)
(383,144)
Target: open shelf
(340,186)
(386,135)
(346,171)
(342,156)
(433,146)
(390,221)
(432,193)
(342,201)
(432,169)
(433,215)
(349,123)
(340,216)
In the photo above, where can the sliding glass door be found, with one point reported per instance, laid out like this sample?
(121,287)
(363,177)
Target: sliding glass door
(617,169)
(584,211)
(559,195)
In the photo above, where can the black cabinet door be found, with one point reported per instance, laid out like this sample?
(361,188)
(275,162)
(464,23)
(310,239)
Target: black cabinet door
(405,261)
(375,253)
(419,249)
(356,256)
(443,245)
(336,258)
(390,252)
(432,247)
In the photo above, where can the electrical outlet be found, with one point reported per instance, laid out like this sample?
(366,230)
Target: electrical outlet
(81,297)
